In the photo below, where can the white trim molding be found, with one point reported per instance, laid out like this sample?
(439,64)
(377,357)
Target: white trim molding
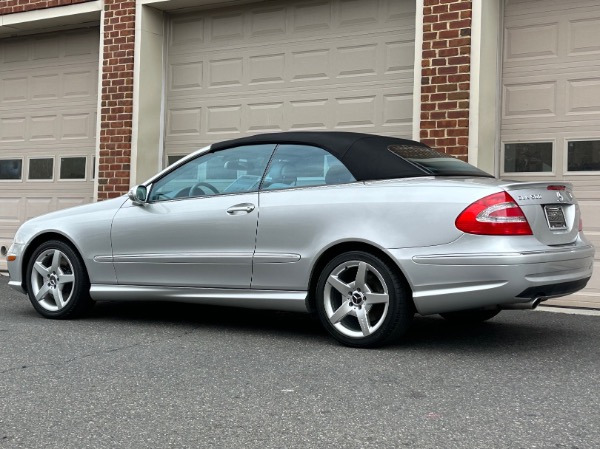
(416,127)
(46,19)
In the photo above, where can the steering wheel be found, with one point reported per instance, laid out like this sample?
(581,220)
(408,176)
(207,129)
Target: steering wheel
(196,189)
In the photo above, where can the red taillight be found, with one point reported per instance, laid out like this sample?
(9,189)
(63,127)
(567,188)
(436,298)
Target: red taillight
(496,214)
(553,187)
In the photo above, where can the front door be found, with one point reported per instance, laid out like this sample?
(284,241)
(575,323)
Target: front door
(198,228)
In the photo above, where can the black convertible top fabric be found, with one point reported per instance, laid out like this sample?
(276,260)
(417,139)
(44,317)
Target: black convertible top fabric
(365,155)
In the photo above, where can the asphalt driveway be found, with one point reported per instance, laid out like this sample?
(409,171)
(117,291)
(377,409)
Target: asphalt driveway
(176,375)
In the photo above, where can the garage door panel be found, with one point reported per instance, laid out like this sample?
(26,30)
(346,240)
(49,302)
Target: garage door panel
(551,93)
(531,41)
(9,210)
(369,109)
(303,65)
(583,96)
(359,60)
(12,129)
(530,99)
(40,126)
(63,202)
(47,88)
(584,34)
(246,26)
(36,53)
(517,9)
(13,89)
(48,93)
(35,206)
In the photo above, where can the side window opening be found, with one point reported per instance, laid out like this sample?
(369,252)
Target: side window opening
(233,170)
(434,162)
(304,166)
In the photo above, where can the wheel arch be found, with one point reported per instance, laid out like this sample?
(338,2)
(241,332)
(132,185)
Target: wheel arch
(39,240)
(344,247)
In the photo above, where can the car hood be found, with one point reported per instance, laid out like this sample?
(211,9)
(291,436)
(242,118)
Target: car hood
(58,220)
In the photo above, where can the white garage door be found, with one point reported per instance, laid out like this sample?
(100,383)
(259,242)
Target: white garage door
(551,105)
(296,65)
(48,101)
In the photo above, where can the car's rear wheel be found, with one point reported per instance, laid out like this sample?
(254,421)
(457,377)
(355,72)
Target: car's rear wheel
(57,282)
(470,316)
(362,301)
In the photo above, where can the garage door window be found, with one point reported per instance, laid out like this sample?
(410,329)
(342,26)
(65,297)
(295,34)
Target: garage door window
(528,157)
(72,167)
(583,155)
(172,158)
(41,169)
(11,169)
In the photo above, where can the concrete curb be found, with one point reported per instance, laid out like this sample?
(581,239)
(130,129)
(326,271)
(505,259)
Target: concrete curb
(569,311)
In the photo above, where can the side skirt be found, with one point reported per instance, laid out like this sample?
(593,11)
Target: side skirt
(289,301)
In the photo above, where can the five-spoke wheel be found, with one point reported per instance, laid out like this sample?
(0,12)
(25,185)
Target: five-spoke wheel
(361,301)
(57,283)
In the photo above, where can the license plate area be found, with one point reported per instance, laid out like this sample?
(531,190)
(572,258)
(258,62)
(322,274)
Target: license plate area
(555,217)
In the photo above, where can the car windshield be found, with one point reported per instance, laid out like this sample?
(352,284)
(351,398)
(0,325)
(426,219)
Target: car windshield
(435,163)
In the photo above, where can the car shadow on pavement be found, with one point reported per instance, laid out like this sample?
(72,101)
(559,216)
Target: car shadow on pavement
(224,319)
(510,331)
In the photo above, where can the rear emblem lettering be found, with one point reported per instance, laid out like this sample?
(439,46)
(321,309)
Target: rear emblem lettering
(530,197)
(559,197)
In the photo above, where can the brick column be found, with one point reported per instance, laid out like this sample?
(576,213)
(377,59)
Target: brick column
(117,98)
(13,6)
(445,75)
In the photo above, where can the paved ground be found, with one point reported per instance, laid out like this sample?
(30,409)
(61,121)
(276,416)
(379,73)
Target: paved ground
(164,375)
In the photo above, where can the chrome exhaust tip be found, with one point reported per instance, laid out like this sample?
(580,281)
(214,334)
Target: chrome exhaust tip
(529,305)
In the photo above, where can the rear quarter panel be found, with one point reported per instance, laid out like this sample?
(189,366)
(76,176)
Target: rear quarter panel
(387,214)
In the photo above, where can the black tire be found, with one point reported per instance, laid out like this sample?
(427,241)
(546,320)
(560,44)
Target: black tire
(470,316)
(339,310)
(57,281)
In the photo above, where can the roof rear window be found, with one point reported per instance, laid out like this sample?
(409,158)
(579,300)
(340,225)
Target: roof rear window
(435,163)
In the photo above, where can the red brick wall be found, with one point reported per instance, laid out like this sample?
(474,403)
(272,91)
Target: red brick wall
(12,6)
(445,75)
(117,98)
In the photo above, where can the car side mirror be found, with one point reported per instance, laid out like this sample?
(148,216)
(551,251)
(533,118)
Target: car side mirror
(138,195)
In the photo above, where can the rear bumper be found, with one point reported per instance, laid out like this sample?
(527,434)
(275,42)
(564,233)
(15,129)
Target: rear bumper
(457,280)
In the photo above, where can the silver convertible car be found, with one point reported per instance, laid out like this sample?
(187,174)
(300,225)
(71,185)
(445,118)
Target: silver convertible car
(363,230)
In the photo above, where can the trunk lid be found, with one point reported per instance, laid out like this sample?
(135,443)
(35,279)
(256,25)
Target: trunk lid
(550,208)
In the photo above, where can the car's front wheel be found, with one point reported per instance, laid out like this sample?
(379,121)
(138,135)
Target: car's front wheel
(57,282)
(362,301)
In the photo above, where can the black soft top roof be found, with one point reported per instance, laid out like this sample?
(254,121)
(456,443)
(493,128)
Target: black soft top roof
(365,155)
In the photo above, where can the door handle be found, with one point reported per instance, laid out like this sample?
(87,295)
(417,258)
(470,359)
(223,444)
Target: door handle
(241,208)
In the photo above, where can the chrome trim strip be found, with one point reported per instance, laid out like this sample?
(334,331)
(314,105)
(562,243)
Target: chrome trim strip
(537,256)
(233,258)
(291,301)
(200,258)
(276,257)
(463,287)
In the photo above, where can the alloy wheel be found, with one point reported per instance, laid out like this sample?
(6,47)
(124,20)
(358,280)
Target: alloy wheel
(356,299)
(52,280)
